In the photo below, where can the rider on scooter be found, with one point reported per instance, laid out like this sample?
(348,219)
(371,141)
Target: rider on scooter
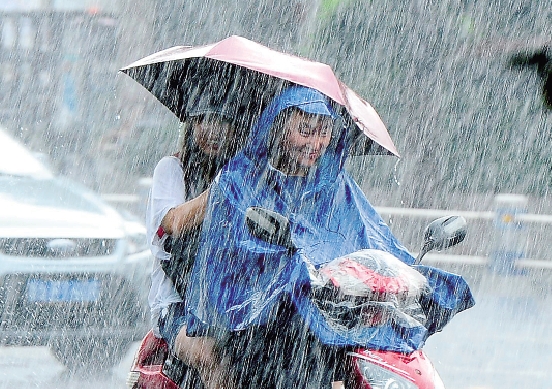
(293,164)
(305,182)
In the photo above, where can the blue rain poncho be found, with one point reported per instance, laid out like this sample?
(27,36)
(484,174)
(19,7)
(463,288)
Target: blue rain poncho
(238,280)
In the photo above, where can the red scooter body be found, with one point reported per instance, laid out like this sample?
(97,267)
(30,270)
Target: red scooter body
(389,369)
(147,368)
(371,369)
(155,368)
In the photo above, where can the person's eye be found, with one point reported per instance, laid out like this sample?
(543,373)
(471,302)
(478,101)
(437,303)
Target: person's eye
(304,130)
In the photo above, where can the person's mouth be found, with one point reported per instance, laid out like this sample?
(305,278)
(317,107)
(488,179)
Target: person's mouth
(214,144)
(311,155)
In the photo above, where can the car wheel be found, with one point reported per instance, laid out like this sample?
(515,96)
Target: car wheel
(89,354)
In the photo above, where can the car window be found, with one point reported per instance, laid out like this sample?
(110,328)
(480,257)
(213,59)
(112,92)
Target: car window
(17,160)
(44,193)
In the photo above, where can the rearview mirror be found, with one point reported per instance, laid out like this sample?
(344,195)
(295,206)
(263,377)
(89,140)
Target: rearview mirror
(269,226)
(443,233)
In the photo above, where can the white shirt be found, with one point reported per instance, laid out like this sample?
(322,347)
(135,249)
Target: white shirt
(167,191)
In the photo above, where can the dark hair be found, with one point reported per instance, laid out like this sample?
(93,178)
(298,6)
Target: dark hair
(199,169)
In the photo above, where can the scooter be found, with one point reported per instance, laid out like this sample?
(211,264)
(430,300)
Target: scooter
(155,367)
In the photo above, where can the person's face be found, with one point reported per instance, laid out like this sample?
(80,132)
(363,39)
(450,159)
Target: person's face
(305,139)
(213,134)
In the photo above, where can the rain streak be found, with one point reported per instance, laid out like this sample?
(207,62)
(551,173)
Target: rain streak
(212,194)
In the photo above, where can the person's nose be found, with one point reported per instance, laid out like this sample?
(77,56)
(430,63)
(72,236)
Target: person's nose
(317,143)
(213,133)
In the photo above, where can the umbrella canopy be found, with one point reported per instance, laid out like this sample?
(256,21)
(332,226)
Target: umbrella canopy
(246,75)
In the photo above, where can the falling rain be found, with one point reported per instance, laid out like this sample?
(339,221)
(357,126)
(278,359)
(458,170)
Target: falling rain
(433,108)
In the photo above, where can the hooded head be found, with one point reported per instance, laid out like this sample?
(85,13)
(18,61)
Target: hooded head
(313,116)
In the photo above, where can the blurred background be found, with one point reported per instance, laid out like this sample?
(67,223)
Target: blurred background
(464,87)
(461,85)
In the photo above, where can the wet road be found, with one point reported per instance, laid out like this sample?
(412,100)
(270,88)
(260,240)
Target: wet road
(501,343)
(35,367)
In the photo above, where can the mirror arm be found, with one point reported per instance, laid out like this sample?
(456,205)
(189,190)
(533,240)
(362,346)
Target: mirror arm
(427,247)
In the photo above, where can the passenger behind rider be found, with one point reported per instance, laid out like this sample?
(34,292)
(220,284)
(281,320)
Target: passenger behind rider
(175,210)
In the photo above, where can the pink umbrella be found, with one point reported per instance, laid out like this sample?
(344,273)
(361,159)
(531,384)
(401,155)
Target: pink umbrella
(237,65)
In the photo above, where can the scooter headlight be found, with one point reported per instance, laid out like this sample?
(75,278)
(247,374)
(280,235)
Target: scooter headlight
(381,378)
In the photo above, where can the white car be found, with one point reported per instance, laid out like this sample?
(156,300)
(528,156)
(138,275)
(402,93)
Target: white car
(74,274)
